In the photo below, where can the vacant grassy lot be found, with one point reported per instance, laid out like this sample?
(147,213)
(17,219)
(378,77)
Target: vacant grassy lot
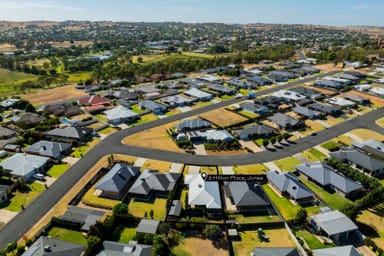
(79,77)
(157,138)
(343,139)
(194,246)
(223,118)
(9,81)
(250,240)
(57,170)
(138,209)
(287,209)
(373,218)
(365,134)
(287,164)
(53,95)
(251,169)
(127,235)
(157,165)
(67,235)
(24,199)
(334,120)
(380,122)
(314,155)
(334,200)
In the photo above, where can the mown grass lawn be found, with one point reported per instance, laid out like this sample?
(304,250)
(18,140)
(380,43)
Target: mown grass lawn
(57,170)
(287,209)
(314,155)
(312,240)
(10,80)
(24,199)
(287,164)
(251,169)
(127,235)
(248,114)
(138,208)
(80,151)
(67,235)
(156,165)
(135,108)
(79,77)
(209,169)
(333,200)
(331,145)
(145,119)
(92,199)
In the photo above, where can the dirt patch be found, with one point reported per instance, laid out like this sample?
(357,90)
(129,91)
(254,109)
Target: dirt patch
(365,134)
(196,246)
(156,138)
(329,67)
(225,152)
(321,90)
(53,95)
(223,118)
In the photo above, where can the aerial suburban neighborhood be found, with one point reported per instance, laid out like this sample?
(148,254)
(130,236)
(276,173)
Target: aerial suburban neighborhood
(172,138)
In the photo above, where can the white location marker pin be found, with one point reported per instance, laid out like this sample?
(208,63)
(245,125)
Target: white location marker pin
(204,175)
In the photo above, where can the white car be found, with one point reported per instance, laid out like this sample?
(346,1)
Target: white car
(39,176)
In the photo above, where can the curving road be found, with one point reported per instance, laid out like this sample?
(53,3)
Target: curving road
(19,225)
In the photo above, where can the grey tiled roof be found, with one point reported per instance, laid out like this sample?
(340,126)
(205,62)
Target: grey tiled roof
(48,148)
(111,248)
(50,246)
(193,124)
(366,161)
(246,194)
(334,222)
(326,175)
(150,180)
(71,132)
(23,164)
(117,178)
(148,226)
(347,250)
(275,251)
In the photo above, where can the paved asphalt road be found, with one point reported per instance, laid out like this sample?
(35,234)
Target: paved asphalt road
(112,144)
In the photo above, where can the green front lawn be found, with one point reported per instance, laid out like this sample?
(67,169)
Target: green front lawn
(77,77)
(145,119)
(138,208)
(248,114)
(253,219)
(314,155)
(67,235)
(334,200)
(24,199)
(331,145)
(137,109)
(251,169)
(57,170)
(127,235)
(80,151)
(102,117)
(287,164)
(92,199)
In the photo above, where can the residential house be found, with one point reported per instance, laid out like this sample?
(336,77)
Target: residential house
(271,102)
(308,70)
(326,177)
(70,134)
(148,91)
(367,156)
(326,109)
(116,182)
(64,109)
(275,251)
(288,96)
(329,84)
(24,165)
(260,81)
(251,71)
(341,81)
(5,191)
(153,183)
(280,76)
(110,248)
(93,100)
(209,79)
(341,102)
(254,108)
(284,121)
(122,94)
(85,217)
(8,103)
(55,150)
(120,114)
(347,250)
(28,120)
(377,91)
(147,226)
(192,82)
(45,246)
(175,210)
(307,112)
(155,107)
(346,76)
(203,193)
(362,87)
(198,94)
(356,74)
(307,92)
(241,83)
(222,89)
(216,136)
(177,101)
(246,196)
(336,226)
(192,125)
(6,133)
(287,184)
(357,99)
(255,131)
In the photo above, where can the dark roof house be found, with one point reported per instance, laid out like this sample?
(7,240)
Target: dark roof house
(285,121)
(85,217)
(117,180)
(70,133)
(246,195)
(155,107)
(347,250)
(132,248)
(50,246)
(64,109)
(254,131)
(265,251)
(50,149)
(28,120)
(307,112)
(193,124)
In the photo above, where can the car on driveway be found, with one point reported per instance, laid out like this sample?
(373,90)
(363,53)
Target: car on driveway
(39,176)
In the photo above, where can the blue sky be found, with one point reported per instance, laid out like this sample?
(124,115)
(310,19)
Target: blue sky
(326,12)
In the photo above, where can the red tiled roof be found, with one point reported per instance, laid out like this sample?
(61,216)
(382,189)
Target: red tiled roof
(93,100)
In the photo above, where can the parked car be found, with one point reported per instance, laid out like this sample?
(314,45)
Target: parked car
(39,176)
